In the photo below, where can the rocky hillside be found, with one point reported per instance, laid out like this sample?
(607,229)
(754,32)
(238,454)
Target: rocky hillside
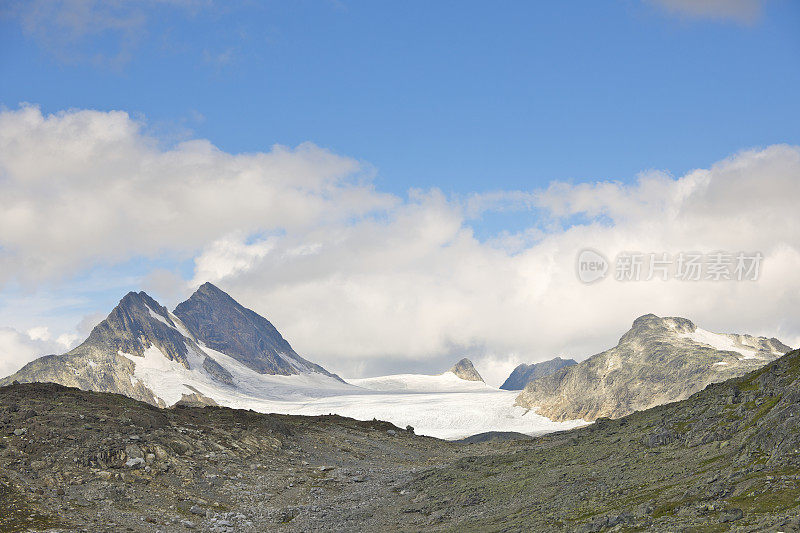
(465,370)
(659,360)
(725,459)
(145,352)
(524,374)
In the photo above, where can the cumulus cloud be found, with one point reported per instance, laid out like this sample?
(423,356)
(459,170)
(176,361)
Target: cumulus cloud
(418,284)
(743,11)
(83,185)
(17,349)
(365,282)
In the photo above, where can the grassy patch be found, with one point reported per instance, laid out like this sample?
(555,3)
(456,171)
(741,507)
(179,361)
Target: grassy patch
(669,508)
(17,514)
(765,408)
(710,460)
(768,502)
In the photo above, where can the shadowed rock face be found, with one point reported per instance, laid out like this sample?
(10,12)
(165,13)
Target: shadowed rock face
(222,324)
(658,360)
(524,374)
(466,371)
(132,328)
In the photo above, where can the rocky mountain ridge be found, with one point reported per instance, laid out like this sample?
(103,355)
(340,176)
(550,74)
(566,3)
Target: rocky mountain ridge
(659,360)
(524,374)
(143,351)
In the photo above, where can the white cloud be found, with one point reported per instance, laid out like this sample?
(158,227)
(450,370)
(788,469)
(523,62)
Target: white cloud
(39,333)
(67,341)
(743,11)
(363,281)
(229,256)
(17,349)
(80,187)
(418,284)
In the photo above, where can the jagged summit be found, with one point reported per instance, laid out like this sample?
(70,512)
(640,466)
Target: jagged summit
(465,370)
(136,323)
(217,320)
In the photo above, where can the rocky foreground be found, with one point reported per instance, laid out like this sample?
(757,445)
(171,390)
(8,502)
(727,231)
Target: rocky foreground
(727,458)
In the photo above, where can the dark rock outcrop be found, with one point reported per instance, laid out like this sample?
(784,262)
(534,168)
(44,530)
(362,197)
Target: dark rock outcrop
(524,374)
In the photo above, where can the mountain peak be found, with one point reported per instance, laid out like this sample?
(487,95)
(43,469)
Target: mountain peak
(132,326)
(650,324)
(466,371)
(210,288)
(223,324)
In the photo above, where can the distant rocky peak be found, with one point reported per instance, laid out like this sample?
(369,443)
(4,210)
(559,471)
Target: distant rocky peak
(143,302)
(466,371)
(210,291)
(221,323)
(134,325)
(649,324)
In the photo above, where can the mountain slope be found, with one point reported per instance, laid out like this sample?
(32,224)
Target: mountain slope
(524,374)
(726,459)
(222,324)
(658,361)
(145,352)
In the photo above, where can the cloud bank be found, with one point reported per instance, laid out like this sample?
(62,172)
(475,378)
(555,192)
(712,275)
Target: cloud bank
(366,282)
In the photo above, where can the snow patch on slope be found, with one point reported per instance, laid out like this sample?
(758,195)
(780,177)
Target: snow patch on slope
(721,341)
(158,317)
(169,380)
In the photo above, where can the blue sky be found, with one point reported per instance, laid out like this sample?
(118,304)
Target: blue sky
(464,96)
(467,98)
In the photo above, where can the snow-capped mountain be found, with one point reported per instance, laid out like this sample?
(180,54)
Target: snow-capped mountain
(659,360)
(211,348)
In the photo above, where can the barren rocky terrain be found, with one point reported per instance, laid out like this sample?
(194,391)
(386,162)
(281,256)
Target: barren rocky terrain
(727,458)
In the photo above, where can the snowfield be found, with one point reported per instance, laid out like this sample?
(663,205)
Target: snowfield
(724,342)
(443,406)
(445,415)
(447,382)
